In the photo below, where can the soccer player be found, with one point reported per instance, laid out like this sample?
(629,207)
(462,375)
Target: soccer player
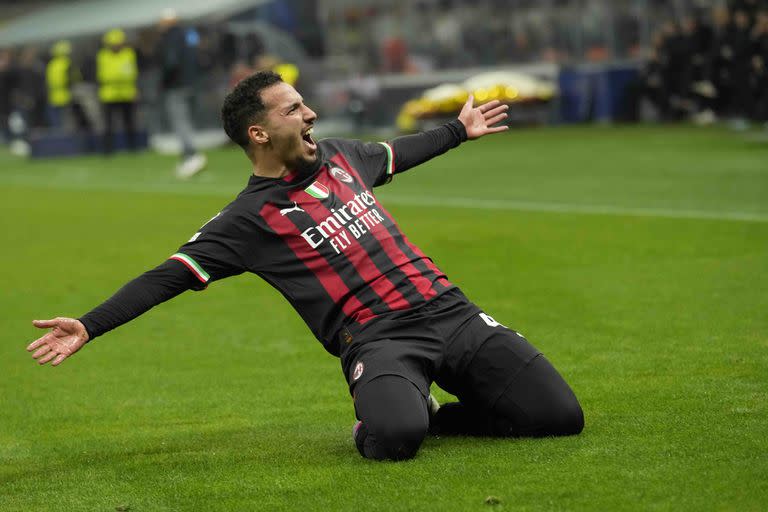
(308,223)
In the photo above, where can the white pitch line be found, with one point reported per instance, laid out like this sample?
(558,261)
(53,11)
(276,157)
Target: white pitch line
(226,190)
(586,209)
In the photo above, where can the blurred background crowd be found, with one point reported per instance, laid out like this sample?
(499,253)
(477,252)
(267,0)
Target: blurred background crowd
(702,67)
(117,73)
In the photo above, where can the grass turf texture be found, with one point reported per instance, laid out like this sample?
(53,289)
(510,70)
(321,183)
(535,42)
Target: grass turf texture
(221,400)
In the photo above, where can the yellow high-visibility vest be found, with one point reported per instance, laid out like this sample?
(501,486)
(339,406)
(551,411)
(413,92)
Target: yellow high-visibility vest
(57,78)
(287,71)
(117,73)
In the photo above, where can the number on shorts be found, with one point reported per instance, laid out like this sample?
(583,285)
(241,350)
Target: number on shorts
(490,321)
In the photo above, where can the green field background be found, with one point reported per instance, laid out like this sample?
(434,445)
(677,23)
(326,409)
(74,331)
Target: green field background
(636,259)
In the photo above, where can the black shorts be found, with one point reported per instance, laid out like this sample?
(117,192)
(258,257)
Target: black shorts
(438,342)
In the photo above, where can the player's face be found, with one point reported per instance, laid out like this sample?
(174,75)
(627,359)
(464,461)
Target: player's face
(288,123)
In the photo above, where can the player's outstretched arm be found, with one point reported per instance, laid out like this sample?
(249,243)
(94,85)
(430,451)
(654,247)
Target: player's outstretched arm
(473,122)
(479,121)
(67,336)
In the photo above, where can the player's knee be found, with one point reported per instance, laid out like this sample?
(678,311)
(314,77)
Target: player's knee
(566,417)
(543,404)
(397,439)
(400,440)
(560,413)
(560,417)
(393,412)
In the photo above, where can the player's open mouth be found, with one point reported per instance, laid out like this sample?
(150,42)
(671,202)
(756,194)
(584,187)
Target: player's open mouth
(307,138)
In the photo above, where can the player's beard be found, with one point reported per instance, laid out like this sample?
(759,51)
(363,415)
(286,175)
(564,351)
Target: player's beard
(305,169)
(306,166)
(303,164)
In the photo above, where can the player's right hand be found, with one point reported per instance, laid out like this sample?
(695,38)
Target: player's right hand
(66,337)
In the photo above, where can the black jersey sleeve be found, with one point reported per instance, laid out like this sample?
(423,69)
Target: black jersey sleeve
(412,150)
(137,297)
(213,253)
(216,250)
(380,161)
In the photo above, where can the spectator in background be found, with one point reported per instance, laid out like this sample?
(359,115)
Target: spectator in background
(253,47)
(394,52)
(28,95)
(748,7)
(698,40)
(288,71)
(62,76)
(651,80)
(117,73)
(760,67)
(521,50)
(700,70)
(700,93)
(446,30)
(178,73)
(740,65)
(86,92)
(674,59)
(227,49)
(720,58)
(7,79)
(240,71)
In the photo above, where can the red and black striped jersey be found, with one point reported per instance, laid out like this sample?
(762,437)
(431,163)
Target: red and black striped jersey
(323,240)
(320,237)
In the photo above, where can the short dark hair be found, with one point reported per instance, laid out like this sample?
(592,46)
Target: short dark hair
(243,106)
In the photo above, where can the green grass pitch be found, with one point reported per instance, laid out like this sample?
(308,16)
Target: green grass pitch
(635,258)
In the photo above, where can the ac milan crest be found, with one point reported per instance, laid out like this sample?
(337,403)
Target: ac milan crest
(359,367)
(341,175)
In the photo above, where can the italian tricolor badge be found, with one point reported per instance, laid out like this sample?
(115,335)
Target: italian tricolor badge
(317,190)
(192,265)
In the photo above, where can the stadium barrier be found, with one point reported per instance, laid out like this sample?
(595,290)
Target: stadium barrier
(599,93)
(46,145)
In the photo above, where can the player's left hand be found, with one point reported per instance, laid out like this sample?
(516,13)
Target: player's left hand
(479,121)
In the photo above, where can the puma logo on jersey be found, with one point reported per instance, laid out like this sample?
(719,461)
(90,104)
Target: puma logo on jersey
(295,208)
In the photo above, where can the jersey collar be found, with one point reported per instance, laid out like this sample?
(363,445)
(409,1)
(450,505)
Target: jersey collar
(293,179)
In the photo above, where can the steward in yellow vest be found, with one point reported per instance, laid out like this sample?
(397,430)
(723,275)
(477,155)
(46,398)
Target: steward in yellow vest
(116,69)
(58,75)
(117,73)
(61,76)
